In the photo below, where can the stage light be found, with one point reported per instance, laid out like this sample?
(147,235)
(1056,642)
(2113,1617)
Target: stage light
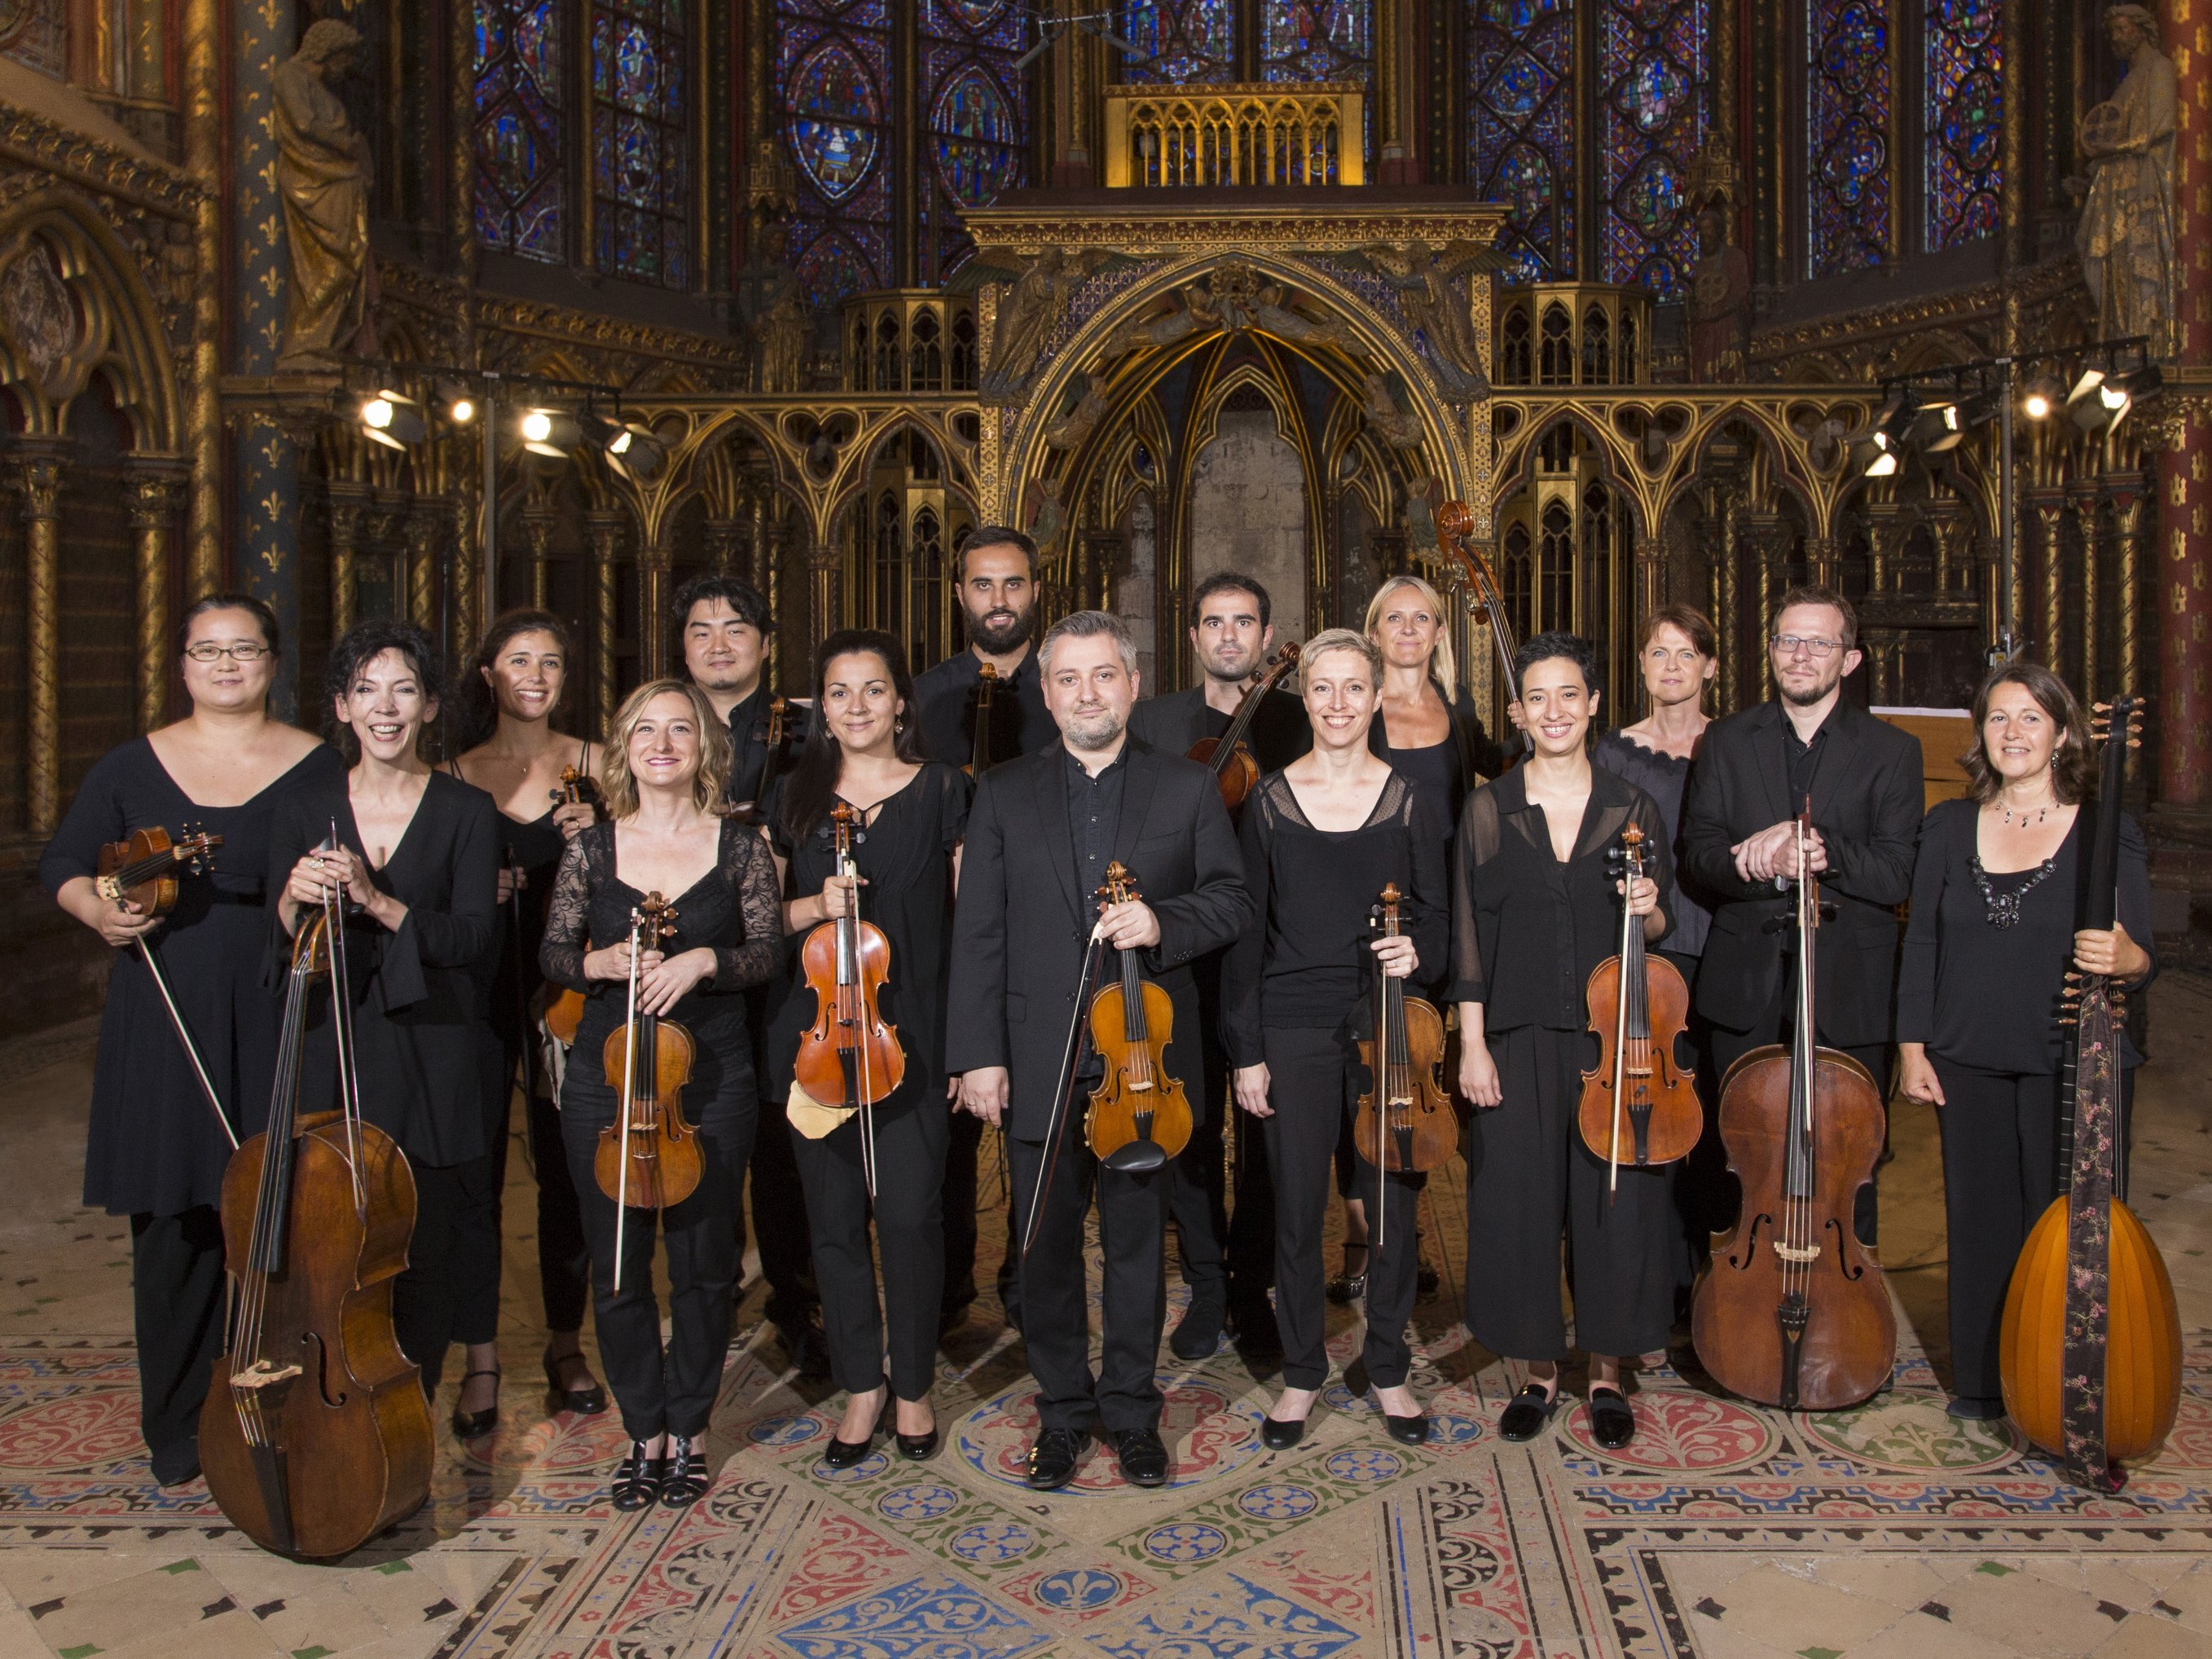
(457,401)
(389,419)
(2045,394)
(2137,382)
(2085,405)
(548,431)
(1876,454)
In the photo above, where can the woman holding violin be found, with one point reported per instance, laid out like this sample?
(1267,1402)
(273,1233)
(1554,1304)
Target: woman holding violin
(1321,839)
(904,820)
(1991,938)
(1535,909)
(154,1149)
(416,853)
(664,769)
(505,699)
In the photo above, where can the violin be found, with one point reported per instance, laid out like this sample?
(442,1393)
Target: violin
(316,1435)
(142,869)
(979,758)
(1478,589)
(2089,1353)
(565,1011)
(649,1158)
(1227,757)
(849,1056)
(1140,1117)
(1639,1006)
(1405,1120)
(1792,1311)
(771,736)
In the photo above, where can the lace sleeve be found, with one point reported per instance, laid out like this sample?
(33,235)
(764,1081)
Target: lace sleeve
(568,920)
(1474,845)
(749,868)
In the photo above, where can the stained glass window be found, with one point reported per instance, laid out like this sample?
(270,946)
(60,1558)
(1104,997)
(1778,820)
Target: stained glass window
(833,65)
(1316,41)
(1650,55)
(1181,40)
(979,112)
(641,160)
(1965,103)
(1520,134)
(1847,109)
(521,188)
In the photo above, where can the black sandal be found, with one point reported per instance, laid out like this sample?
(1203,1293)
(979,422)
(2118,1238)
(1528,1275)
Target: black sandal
(473,1425)
(688,1477)
(637,1478)
(1613,1425)
(1528,1411)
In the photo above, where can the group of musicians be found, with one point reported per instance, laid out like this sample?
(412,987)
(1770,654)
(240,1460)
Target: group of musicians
(971,813)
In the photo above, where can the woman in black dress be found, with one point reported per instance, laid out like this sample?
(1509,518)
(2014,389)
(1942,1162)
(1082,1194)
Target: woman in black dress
(505,699)
(154,1151)
(864,750)
(663,771)
(1534,909)
(1996,894)
(1322,838)
(416,855)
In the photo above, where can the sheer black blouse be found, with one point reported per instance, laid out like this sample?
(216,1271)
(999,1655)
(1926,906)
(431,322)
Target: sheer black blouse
(1666,778)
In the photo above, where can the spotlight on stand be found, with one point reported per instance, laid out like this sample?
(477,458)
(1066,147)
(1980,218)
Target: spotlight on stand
(2085,405)
(392,420)
(1876,454)
(2136,383)
(630,449)
(548,431)
(2045,394)
(457,401)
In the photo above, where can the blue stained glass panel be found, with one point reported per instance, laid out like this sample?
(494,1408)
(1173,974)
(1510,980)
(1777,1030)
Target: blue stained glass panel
(1316,39)
(1964,67)
(833,71)
(1180,41)
(641,151)
(978,120)
(1847,124)
(1652,56)
(521,191)
(1521,134)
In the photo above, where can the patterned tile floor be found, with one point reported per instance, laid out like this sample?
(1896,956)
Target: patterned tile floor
(1724,1532)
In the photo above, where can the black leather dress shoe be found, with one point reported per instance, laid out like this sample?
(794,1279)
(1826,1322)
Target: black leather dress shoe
(686,1478)
(844,1454)
(1613,1425)
(637,1478)
(1281,1437)
(1198,1335)
(474,1425)
(174,1465)
(1052,1459)
(1526,1412)
(586,1399)
(1143,1457)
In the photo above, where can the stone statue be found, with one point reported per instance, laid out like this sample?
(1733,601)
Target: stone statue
(322,175)
(1049,520)
(2125,238)
(1032,306)
(1279,320)
(1720,299)
(1384,418)
(783,340)
(1427,281)
(1196,312)
(1070,431)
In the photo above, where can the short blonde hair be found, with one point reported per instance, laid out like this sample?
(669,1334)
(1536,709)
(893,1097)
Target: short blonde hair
(1443,661)
(1339,639)
(615,780)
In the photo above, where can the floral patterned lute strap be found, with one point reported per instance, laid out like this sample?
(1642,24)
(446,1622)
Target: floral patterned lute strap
(2088,1242)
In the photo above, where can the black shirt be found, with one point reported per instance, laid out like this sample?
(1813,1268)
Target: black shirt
(1174,720)
(1020,724)
(1804,758)
(749,741)
(1666,778)
(1094,816)
(1446,770)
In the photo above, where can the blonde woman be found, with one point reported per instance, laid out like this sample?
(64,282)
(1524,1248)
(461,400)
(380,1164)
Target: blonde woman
(1425,725)
(667,760)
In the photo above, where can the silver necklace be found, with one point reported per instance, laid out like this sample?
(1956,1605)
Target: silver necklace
(2041,813)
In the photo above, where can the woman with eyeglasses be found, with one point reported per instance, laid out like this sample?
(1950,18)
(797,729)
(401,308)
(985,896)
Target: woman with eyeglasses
(155,1150)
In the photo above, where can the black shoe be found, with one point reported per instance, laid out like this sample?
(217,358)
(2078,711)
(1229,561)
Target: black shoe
(1967,1409)
(586,1399)
(1405,1430)
(473,1425)
(687,1476)
(844,1453)
(638,1478)
(1426,1279)
(915,1448)
(1526,1412)
(1347,1287)
(1052,1459)
(1198,1335)
(1278,1435)
(1143,1457)
(175,1465)
(1613,1425)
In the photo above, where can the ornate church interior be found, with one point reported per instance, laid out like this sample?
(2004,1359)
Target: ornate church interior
(429,309)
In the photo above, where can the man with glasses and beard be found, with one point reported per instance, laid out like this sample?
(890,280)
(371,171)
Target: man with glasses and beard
(1754,777)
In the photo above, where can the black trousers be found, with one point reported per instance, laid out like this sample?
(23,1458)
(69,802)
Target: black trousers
(1705,1197)
(564,1261)
(177,1290)
(1056,1321)
(1529,1177)
(1779,1025)
(961,1153)
(909,1227)
(450,1201)
(667,1388)
(1309,1085)
(1224,1233)
(779,1206)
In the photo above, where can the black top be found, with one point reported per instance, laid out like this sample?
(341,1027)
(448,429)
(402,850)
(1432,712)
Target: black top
(1094,814)
(1446,771)
(1308,962)
(1019,722)
(1990,996)
(1804,754)
(905,855)
(1665,778)
(749,741)
(1546,923)
(1176,721)
(152,1145)
(417,994)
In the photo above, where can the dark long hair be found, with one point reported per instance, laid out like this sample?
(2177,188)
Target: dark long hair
(2071,764)
(358,646)
(471,710)
(810,789)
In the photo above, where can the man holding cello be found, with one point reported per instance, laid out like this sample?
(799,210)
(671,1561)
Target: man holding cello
(1044,833)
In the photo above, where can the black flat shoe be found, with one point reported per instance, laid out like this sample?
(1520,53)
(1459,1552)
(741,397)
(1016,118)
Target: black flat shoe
(175,1466)
(844,1453)
(1277,1436)
(473,1425)
(637,1478)
(1526,1412)
(1613,1425)
(1143,1457)
(586,1399)
(1967,1409)
(1052,1459)
(687,1477)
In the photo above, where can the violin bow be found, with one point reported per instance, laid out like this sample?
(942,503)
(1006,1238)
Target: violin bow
(342,1027)
(185,1036)
(1628,875)
(1077,1033)
(849,990)
(630,1088)
(1379,1080)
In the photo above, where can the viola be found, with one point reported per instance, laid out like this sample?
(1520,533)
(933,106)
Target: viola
(649,1157)
(1140,1117)
(849,1056)
(1405,1120)
(316,1435)
(979,758)
(1227,757)
(2089,1353)
(142,869)
(1792,1311)
(565,1011)
(1638,1107)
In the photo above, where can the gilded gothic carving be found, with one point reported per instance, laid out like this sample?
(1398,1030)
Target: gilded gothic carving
(323,174)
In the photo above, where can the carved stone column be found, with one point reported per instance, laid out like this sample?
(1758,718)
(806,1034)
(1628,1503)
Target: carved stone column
(2081,501)
(822,562)
(347,502)
(1650,580)
(1766,539)
(2050,509)
(419,532)
(722,538)
(1728,615)
(2124,490)
(468,601)
(654,563)
(155,484)
(605,530)
(38,476)
(201,56)
(538,531)
(1821,559)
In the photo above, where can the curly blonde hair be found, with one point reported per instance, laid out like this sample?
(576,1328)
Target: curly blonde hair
(617,783)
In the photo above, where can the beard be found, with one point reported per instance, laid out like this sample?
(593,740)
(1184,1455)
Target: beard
(998,632)
(1811,695)
(1095,731)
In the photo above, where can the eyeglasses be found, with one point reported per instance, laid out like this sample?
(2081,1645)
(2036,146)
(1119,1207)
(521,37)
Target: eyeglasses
(1790,644)
(243,651)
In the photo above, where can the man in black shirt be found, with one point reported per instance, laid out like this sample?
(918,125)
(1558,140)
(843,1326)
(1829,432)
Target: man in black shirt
(1040,836)
(1754,775)
(1227,1259)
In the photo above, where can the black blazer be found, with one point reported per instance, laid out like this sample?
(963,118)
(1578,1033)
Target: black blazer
(1866,799)
(1019,927)
(1173,721)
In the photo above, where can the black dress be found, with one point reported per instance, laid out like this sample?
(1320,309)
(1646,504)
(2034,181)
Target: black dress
(1446,771)
(1526,930)
(905,855)
(731,910)
(152,1149)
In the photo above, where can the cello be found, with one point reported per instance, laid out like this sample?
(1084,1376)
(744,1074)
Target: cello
(2089,1354)
(316,1435)
(564,1013)
(1227,756)
(1792,1311)
(1140,1117)
(1405,1120)
(1638,1006)
(849,1056)
(649,1158)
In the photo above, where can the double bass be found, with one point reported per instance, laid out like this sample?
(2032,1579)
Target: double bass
(316,1435)
(849,1056)
(649,1157)
(1638,1107)
(2089,1353)
(565,1011)
(1227,756)
(1404,1121)
(1792,1311)
(1140,1117)
(1477,587)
